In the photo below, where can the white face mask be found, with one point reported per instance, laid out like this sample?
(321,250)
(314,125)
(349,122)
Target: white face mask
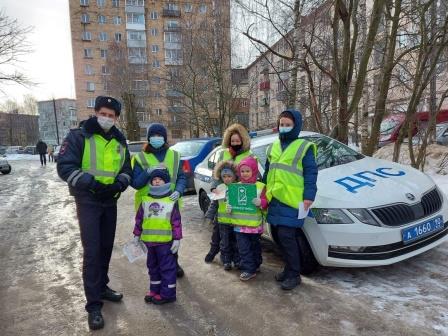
(105,123)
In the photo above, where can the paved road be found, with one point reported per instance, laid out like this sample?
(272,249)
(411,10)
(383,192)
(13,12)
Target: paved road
(41,288)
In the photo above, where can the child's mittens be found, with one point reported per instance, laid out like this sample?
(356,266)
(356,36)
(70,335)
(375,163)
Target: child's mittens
(228,208)
(136,239)
(175,246)
(256,202)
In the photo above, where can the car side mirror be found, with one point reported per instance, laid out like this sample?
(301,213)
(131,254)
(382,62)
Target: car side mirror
(211,165)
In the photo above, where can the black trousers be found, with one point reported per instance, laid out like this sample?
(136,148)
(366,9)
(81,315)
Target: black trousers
(216,239)
(228,244)
(287,239)
(43,159)
(97,225)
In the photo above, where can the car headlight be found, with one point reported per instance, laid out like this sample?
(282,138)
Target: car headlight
(364,216)
(330,216)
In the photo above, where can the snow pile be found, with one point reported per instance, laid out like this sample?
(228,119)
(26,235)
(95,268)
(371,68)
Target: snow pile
(436,164)
(16,157)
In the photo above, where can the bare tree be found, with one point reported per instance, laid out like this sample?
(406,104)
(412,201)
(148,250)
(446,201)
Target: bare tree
(13,46)
(29,105)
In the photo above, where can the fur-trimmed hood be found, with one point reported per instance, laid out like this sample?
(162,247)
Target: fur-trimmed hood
(241,130)
(220,166)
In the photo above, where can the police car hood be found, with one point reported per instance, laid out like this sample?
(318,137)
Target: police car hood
(370,182)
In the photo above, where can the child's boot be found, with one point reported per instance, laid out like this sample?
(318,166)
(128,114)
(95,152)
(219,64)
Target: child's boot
(211,255)
(245,276)
(158,300)
(149,295)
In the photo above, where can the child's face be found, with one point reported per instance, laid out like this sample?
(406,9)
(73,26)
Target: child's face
(157,181)
(227,179)
(245,172)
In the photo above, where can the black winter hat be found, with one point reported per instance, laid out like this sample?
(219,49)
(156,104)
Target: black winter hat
(160,172)
(156,128)
(109,102)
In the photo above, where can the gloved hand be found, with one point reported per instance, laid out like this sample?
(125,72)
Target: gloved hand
(136,239)
(228,208)
(124,182)
(256,202)
(110,191)
(175,246)
(175,196)
(97,186)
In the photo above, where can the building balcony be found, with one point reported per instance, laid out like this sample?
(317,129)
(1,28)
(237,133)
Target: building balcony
(172,61)
(173,93)
(172,29)
(176,109)
(136,43)
(171,12)
(135,9)
(265,86)
(173,45)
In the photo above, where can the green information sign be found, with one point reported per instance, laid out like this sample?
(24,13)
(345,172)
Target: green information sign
(241,195)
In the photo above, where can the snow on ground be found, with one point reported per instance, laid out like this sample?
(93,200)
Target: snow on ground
(21,157)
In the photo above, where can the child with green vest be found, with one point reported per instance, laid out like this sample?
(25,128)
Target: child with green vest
(158,225)
(249,226)
(224,172)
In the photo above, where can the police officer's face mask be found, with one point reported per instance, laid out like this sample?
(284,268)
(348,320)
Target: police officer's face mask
(105,123)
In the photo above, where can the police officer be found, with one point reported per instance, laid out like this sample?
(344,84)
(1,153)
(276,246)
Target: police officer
(95,163)
(291,176)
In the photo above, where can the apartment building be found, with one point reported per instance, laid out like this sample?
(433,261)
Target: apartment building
(150,35)
(56,118)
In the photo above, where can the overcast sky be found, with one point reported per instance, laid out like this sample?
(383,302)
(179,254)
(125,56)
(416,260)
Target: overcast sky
(51,64)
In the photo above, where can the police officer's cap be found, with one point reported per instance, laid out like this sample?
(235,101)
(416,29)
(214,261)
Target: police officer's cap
(109,102)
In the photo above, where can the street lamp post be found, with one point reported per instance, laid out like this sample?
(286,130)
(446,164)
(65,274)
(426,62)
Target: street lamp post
(56,121)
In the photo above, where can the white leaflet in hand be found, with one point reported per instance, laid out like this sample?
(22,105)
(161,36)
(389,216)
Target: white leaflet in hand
(302,212)
(135,250)
(219,193)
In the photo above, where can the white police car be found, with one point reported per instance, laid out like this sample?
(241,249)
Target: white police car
(367,212)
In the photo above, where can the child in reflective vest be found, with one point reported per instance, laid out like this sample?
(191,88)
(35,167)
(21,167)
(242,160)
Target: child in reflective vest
(249,226)
(158,225)
(225,172)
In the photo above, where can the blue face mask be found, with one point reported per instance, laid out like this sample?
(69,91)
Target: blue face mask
(156,141)
(285,129)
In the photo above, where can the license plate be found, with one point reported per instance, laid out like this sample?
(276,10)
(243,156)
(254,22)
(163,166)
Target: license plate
(422,230)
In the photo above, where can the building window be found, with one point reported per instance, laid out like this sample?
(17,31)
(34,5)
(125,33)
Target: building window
(202,8)
(173,54)
(135,18)
(88,69)
(118,37)
(154,48)
(88,53)
(116,20)
(153,15)
(90,86)
(156,80)
(158,112)
(154,31)
(136,35)
(85,18)
(140,85)
(86,36)
(244,103)
(91,102)
(156,94)
(137,55)
(172,6)
(104,70)
(101,19)
(84,2)
(100,3)
(173,37)
(172,24)
(115,3)
(135,3)
(103,53)
(103,36)
(188,8)
(156,64)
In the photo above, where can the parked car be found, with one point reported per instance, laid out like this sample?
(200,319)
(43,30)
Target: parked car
(30,150)
(15,150)
(192,152)
(56,152)
(367,212)
(5,167)
(442,134)
(391,125)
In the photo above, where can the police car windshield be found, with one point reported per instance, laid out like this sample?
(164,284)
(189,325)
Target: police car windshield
(332,153)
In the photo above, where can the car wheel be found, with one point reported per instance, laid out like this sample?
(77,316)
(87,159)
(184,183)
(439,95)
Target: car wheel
(204,201)
(308,262)
(7,171)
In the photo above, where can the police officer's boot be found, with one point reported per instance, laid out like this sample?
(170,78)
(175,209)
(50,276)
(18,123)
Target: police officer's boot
(111,295)
(290,283)
(96,320)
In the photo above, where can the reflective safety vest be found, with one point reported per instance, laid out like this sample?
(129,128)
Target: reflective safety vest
(226,156)
(157,219)
(240,218)
(103,158)
(149,160)
(285,177)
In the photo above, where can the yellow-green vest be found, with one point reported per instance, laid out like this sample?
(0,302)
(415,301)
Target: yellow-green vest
(149,160)
(226,156)
(285,177)
(240,218)
(102,158)
(156,226)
